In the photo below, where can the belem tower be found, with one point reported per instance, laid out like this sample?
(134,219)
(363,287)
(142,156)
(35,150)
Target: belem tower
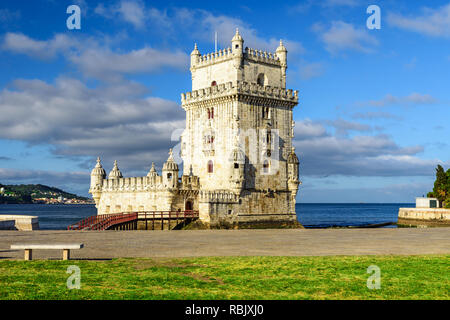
(239,166)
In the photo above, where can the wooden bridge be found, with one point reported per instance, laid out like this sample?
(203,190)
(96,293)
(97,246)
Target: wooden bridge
(144,220)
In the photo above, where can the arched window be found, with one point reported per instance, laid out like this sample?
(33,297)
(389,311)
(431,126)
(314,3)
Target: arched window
(212,113)
(210,166)
(214,83)
(209,113)
(169,175)
(262,79)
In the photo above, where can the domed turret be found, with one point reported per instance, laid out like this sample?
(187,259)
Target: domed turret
(98,170)
(292,158)
(237,161)
(170,172)
(170,164)
(237,37)
(115,172)
(293,171)
(195,54)
(282,52)
(152,172)
(282,55)
(237,44)
(97,176)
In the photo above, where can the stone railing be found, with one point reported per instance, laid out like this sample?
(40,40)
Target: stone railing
(218,196)
(214,57)
(226,54)
(131,183)
(262,56)
(239,87)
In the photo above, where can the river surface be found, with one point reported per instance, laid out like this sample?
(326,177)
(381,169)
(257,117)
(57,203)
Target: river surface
(311,215)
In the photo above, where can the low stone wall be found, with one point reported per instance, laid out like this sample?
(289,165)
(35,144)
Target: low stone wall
(424,217)
(21,222)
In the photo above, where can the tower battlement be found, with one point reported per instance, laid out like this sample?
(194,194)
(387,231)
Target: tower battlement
(238,64)
(227,54)
(239,87)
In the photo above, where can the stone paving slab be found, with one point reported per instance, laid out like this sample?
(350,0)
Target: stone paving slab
(269,242)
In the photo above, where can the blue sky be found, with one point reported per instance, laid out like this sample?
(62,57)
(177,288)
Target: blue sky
(371,125)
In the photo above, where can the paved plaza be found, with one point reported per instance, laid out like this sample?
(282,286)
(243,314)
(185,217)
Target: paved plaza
(268,242)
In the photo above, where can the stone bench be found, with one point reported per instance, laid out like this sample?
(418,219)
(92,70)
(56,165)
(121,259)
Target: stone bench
(65,247)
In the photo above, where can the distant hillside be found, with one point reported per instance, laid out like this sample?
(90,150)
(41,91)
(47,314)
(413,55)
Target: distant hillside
(31,193)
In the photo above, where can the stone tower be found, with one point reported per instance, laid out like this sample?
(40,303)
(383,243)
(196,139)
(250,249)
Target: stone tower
(238,137)
(239,165)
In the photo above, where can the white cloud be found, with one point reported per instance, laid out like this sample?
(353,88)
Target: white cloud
(198,24)
(343,127)
(102,63)
(117,121)
(42,49)
(133,12)
(412,99)
(95,57)
(432,22)
(374,115)
(203,24)
(322,153)
(342,36)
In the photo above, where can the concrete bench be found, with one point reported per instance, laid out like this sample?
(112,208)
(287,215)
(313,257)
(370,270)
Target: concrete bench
(65,247)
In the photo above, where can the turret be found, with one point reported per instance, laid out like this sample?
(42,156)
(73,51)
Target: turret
(170,172)
(237,164)
(152,174)
(282,55)
(97,176)
(195,56)
(115,172)
(293,164)
(237,44)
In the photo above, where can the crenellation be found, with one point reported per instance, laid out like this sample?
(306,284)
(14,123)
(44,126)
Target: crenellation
(237,87)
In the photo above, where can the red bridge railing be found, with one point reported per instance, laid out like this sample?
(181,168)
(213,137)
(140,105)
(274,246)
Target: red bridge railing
(103,222)
(106,221)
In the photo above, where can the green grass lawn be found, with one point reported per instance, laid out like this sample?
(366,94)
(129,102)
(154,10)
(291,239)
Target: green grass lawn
(335,277)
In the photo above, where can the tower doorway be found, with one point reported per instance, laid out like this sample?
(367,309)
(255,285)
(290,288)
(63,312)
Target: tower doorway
(188,205)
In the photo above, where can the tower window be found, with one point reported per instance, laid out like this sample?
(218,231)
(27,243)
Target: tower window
(210,113)
(265,113)
(169,175)
(262,80)
(236,165)
(266,166)
(210,166)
